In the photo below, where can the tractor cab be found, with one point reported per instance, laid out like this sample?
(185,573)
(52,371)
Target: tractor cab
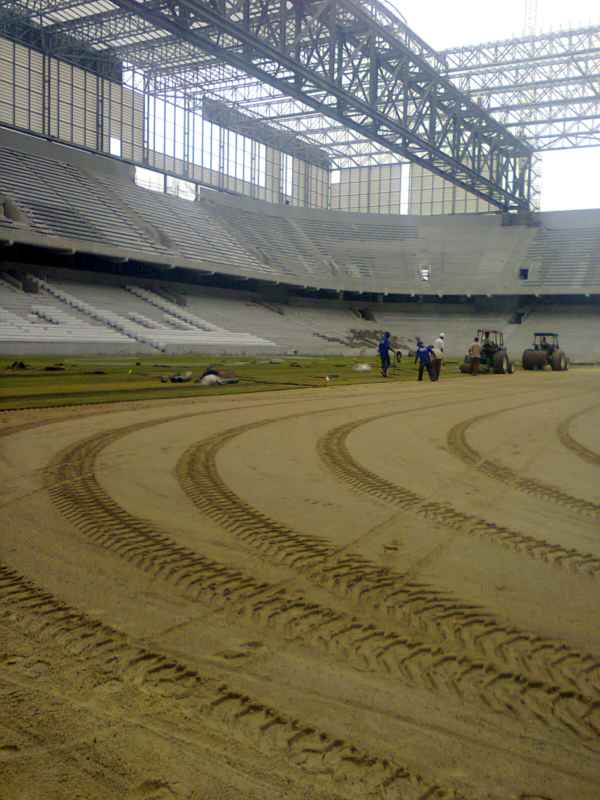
(494,358)
(547,342)
(545,351)
(491,342)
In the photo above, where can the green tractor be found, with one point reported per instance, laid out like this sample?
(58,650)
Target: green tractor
(545,352)
(494,357)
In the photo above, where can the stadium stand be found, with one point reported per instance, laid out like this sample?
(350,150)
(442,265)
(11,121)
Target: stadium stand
(31,323)
(566,255)
(65,201)
(188,230)
(277,242)
(87,318)
(92,205)
(60,200)
(173,314)
(78,313)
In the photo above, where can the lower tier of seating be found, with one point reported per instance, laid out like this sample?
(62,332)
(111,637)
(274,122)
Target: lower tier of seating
(75,313)
(100,317)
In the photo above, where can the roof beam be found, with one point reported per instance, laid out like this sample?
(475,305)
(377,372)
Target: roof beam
(392,96)
(534,78)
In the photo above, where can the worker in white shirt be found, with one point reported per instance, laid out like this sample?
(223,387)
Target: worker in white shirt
(475,356)
(438,351)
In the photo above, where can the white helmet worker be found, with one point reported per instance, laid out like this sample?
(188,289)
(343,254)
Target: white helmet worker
(439,342)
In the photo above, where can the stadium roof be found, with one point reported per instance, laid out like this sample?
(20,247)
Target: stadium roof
(543,88)
(348,77)
(103,34)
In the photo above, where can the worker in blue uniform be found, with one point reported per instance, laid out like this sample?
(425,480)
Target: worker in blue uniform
(424,357)
(384,348)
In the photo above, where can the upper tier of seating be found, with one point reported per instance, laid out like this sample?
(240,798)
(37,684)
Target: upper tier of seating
(60,200)
(66,199)
(566,257)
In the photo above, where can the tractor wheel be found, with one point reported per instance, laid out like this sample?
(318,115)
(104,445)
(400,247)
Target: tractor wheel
(511,368)
(500,364)
(559,361)
(534,359)
(526,361)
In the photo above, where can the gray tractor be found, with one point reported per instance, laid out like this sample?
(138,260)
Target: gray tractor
(545,352)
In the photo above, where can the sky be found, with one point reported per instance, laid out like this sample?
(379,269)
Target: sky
(571,178)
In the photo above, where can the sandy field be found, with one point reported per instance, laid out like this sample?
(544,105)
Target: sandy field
(385,591)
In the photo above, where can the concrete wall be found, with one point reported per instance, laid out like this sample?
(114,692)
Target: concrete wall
(41,348)
(371,190)
(429,194)
(401,189)
(50,97)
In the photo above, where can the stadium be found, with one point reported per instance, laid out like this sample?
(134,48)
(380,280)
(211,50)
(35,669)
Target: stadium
(243,555)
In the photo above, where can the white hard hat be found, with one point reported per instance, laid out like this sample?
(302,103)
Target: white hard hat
(442,335)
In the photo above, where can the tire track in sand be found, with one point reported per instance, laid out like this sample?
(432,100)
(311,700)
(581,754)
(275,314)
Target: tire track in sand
(436,615)
(334,452)
(91,410)
(112,653)
(460,447)
(77,493)
(9,430)
(572,444)
(100,409)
